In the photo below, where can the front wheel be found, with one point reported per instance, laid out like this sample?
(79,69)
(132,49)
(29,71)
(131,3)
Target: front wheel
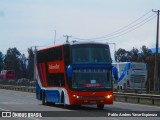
(43,98)
(100,106)
(63,101)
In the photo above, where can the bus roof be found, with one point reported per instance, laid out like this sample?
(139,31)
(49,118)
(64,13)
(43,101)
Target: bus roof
(51,47)
(73,43)
(90,42)
(129,62)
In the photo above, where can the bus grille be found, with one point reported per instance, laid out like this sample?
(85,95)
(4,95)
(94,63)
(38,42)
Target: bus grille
(137,78)
(92,98)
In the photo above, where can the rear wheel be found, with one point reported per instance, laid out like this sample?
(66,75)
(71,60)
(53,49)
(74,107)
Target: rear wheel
(63,100)
(100,106)
(43,98)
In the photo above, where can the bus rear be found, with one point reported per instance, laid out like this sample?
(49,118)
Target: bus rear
(132,75)
(137,75)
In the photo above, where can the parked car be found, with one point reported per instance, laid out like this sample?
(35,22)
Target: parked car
(22,82)
(4,82)
(11,82)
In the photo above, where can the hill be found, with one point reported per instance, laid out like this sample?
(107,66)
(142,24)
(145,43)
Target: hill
(154,50)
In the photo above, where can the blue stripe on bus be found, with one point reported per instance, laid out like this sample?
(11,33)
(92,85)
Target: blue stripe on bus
(38,90)
(92,66)
(127,67)
(53,96)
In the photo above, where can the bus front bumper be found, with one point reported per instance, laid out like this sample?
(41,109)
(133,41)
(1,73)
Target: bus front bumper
(87,100)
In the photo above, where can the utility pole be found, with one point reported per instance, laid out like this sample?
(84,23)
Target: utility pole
(156,82)
(66,38)
(54,36)
(35,62)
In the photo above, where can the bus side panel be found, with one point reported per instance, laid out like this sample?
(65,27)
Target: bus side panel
(38,91)
(53,96)
(123,68)
(38,83)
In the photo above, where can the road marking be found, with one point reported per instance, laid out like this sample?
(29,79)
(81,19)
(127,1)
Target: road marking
(33,118)
(4,109)
(113,119)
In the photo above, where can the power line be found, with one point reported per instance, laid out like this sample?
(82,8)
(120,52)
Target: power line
(119,30)
(125,32)
(132,26)
(130,30)
(129,24)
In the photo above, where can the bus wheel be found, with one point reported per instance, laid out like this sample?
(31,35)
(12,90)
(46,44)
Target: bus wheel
(63,100)
(100,106)
(43,98)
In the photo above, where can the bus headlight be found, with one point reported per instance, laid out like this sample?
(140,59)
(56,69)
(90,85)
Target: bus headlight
(108,96)
(76,96)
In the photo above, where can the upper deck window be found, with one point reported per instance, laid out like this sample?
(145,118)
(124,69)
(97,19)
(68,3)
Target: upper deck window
(91,54)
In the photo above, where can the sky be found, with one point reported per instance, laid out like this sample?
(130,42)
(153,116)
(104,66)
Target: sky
(28,23)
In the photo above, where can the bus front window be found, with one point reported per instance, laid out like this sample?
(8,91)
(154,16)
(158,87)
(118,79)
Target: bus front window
(91,79)
(98,54)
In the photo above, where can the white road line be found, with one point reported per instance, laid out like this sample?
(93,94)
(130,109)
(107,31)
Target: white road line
(33,118)
(4,109)
(113,119)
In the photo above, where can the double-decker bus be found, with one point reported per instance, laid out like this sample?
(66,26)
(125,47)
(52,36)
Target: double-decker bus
(132,75)
(75,74)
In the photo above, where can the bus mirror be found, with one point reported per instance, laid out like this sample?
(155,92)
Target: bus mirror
(115,73)
(69,71)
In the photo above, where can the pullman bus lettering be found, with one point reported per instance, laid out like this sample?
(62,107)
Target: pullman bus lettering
(54,66)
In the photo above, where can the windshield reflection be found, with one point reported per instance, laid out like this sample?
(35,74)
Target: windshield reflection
(85,79)
(90,55)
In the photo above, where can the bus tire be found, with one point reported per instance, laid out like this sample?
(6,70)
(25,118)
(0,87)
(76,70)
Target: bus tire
(100,106)
(63,100)
(43,98)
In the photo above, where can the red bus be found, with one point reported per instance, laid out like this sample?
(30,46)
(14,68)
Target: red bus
(75,74)
(8,74)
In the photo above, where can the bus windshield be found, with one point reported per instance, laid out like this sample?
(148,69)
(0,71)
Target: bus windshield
(90,54)
(87,79)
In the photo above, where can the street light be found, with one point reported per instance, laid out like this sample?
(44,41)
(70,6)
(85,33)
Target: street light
(54,37)
(114,50)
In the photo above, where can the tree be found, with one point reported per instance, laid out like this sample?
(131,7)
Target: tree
(145,54)
(1,61)
(12,61)
(122,55)
(30,69)
(134,55)
(23,60)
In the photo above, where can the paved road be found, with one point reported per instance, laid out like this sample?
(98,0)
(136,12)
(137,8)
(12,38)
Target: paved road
(22,101)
